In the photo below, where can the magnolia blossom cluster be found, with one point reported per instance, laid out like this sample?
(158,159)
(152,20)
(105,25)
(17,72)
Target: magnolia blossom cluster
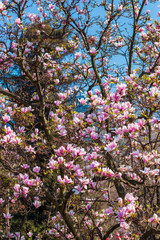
(127,208)
(2,7)
(83,165)
(10,137)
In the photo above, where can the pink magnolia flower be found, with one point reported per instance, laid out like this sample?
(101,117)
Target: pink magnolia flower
(69,164)
(78,54)
(2,7)
(106,196)
(60,151)
(124,225)
(130,198)
(108,136)
(93,155)
(147,11)
(27,50)
(154,92)
(36,169)
(29,44)
(57,103)
(118,236)
(60,160)
(40,9)
(29,182)
(21,129)
(56,81)
(94,135)
(25,166)
(6,118)
(7,215)
(60,180)
(69,148)
(59,49)
(82,101)
(17,187)
(16,195)
(18,235)
(121,88)
(18,140)
(141,122)
(1,201)
(51,6)
(30,234)
(25,190)
(51,114)
(37,204)
(30,149)
(68,180)
(23,176)
(11,235)
(79,173)
(131,208)
(154,172)
(77,189)
(111,146)
(92,51)
(92,39)
(120,7)
(8,130)
(84,181)
(14,45)
(17,21)
(124,168)
(53,164)
(108,211)
(36,198)
(44,15)
(94,164)
(107,172)
(145,171)
(62,96)
(154,220)
(26,109)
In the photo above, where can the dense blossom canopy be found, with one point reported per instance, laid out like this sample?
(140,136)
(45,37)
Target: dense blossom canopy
(80,119)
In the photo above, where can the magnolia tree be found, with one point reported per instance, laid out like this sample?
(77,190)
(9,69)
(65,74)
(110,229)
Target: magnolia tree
(79,133)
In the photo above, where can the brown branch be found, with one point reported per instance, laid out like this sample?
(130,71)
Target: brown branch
(149,233)
(134,35)
(69,222)
(18,99)
(118,185)
(98,77)
(110,231)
